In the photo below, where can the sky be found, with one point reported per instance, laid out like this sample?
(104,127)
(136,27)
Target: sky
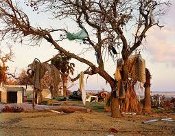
(158,51)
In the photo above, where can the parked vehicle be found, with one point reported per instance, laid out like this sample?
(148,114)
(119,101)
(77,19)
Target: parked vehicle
(76,95)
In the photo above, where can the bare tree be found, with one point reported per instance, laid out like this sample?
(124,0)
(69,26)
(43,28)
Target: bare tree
(4,58)
(23,78)
(109,21)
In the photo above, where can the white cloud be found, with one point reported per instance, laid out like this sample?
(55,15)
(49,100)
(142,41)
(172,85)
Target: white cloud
(161,42)
(162,45)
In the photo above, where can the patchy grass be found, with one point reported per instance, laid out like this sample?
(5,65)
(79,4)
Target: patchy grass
(96,106)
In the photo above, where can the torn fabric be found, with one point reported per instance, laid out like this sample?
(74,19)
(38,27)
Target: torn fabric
(82,34)
(82,88)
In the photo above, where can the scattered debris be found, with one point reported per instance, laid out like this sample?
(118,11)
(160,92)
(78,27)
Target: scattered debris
(150,121)
(56,111)
(110,135)
(168,119)
(155,120)
(113,130)
(129,113)
(92,99)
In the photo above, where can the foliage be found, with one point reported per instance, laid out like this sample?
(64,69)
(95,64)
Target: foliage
(46,81)
(23,78)
(4,58)
(11,81)
(61,62)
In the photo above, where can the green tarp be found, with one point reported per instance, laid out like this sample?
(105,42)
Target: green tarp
(82,34)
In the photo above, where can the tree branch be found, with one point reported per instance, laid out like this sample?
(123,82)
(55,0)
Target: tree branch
(101,72)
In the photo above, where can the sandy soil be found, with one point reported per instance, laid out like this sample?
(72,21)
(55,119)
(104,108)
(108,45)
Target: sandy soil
(47,123)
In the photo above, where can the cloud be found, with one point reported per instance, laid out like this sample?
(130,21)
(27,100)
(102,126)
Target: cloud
(161,42)
(162,45)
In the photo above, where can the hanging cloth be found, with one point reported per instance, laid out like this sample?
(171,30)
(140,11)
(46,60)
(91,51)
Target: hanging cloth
(82,88)
(118,74)
(82,34)
(38,73)
(137,68)
(140,66)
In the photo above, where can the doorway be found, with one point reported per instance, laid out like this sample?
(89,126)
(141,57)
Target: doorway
(11,97)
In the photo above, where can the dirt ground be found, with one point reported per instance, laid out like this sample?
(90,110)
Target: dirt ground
(92,123)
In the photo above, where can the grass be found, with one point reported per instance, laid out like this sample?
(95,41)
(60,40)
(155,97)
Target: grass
(96,106)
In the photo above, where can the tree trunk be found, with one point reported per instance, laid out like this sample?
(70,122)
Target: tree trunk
(127,94)
(40,97)
(36,95)
(51,91)
(115,104)
(64,79)
(147,99)
(33,100)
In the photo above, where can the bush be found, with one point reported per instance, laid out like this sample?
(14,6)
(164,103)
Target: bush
(12,109)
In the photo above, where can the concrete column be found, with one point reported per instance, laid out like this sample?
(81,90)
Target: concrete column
(4,96)
(19,97)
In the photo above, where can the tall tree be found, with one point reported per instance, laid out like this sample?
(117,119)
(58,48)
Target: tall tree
(107,25)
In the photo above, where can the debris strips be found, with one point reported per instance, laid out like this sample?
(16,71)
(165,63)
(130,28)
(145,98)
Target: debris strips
(155,120)
(136,68)
(39,69)
(82,88)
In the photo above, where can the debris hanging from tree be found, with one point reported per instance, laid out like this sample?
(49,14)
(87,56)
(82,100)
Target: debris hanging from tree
(82,34)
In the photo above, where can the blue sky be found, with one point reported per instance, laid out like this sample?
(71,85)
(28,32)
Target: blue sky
(158,51)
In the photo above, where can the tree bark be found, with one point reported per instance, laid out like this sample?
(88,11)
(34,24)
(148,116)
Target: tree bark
(36,96)
(147,99)
(40,97)
(115,103)
(64,79)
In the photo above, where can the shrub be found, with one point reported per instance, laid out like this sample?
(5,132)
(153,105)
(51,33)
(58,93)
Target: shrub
(12,109)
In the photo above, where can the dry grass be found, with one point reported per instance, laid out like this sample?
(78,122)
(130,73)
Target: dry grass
(80,123)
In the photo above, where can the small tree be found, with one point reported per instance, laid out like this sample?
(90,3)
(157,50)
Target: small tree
(4,58)
(61,62)
(23,78)
(106,24)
